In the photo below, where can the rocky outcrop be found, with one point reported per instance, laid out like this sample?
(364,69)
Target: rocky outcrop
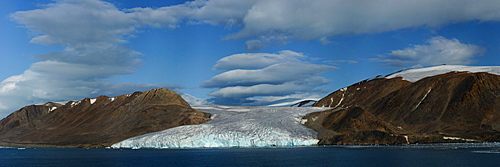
(451,107)
(97,122)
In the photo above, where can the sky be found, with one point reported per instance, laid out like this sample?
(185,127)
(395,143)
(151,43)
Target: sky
(230,52)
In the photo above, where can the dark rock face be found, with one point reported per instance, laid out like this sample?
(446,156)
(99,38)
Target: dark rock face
(452,107)
(97,122)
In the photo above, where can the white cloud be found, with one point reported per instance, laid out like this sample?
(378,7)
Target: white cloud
(215,12)
(257,60)
(77,23)
(308,20)
(439,50)
(269,100)
(265,75)
(274,74)
(283,89)
(3,107)
(230,12)
(254,45)
(278,22)
(275,22)
(267,21)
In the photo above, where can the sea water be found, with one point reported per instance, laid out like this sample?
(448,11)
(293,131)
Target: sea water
(482,154)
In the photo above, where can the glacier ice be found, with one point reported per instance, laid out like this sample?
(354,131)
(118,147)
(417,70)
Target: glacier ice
(234,127)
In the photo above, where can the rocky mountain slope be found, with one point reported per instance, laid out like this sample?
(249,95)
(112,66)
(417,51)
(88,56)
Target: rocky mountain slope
(436,104)
(97,122)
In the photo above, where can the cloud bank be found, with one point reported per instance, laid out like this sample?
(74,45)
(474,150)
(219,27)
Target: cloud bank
(439,50)
(276,22)
(253,75)
(280,21)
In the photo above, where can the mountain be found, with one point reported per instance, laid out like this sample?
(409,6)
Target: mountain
(428,105)
(97,122)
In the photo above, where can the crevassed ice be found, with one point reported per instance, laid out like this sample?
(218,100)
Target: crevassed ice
(234,127)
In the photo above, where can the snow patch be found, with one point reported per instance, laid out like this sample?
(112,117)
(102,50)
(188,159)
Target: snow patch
(52,109)
(414,75)
(406,138)
(341,99)
(303,121)
(457,138)
(315,118)
(75,103)
(422,98)
(235,127)
(92,101)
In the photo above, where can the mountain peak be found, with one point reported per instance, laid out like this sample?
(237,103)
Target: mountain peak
(97,121)
(461,103)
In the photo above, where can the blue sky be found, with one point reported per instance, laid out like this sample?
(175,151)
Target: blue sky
(238,52)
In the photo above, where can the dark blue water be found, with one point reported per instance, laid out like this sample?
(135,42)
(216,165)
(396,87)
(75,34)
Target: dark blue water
(435,155)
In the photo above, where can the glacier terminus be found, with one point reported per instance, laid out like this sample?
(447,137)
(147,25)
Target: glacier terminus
(235,127)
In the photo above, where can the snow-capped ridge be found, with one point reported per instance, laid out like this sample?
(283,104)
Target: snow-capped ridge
(414,75)
(75,103)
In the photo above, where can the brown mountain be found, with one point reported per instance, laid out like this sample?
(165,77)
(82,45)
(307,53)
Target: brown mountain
(97,122)
(451,107)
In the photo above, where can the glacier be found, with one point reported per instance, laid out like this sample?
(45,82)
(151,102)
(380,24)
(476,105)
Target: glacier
(235,127)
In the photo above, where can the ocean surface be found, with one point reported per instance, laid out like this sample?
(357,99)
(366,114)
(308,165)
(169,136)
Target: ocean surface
(482,154)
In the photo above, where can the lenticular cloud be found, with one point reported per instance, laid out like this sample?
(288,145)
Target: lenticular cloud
(257,75)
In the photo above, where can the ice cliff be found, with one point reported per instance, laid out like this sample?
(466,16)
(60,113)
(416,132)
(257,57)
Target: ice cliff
(234,127)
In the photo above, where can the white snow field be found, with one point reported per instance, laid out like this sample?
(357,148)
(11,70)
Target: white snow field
(414,75)
(234,127)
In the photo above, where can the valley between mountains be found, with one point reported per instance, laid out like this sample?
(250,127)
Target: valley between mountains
(428,105)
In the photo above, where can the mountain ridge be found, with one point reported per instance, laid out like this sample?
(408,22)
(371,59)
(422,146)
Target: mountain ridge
(97,122)
(450,107)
